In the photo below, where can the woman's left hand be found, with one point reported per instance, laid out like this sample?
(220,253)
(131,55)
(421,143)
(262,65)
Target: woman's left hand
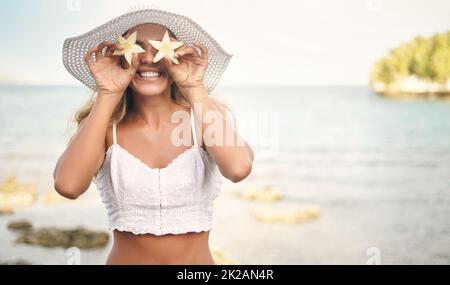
(190,71)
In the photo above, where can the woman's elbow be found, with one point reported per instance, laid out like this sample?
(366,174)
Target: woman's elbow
(240,172)
(66,190)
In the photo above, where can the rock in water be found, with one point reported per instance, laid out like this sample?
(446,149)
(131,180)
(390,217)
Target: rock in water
(20,225)
(14,194)
(15,262)
(6,211)
(266,194)
(54,237)
(220,257)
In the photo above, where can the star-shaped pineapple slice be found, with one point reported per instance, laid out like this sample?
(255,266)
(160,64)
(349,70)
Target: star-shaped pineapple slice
(129,47)
(165,48)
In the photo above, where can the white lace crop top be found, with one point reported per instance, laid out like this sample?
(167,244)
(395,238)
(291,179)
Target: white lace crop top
(175,199)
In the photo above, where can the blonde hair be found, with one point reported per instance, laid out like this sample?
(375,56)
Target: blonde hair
(125,106)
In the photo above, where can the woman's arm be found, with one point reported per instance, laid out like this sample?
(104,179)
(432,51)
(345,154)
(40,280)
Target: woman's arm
(234,160)
(86,151)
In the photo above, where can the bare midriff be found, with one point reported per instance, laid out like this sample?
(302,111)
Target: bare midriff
(189,248)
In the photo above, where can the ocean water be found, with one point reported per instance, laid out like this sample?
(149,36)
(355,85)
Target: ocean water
(379,169)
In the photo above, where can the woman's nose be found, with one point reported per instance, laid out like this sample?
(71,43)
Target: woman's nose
(147,57)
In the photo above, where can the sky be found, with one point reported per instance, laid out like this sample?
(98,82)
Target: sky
(272,42)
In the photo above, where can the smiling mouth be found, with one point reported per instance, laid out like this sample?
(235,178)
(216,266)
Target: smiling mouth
(149,75)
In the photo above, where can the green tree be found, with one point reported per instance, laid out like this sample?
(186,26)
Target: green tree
(426,58)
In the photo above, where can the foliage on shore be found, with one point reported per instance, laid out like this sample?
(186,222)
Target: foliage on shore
(417,68)
(426,58)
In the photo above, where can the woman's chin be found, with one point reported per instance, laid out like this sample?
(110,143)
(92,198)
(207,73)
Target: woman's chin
(150,86)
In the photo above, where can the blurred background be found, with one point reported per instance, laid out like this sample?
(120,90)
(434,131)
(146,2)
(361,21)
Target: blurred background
(346,104)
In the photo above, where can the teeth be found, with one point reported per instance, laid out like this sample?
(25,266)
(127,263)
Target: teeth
(149,74)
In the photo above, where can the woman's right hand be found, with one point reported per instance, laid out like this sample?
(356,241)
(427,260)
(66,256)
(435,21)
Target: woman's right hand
(111,78)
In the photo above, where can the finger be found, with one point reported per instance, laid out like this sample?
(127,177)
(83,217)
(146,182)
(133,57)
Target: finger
(124,62)
(185,51)
(196,60)
(100,47)
(168,63)
(111,48)
(203,49)
(192,58)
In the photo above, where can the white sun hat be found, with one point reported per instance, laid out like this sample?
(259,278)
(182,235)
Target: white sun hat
(185,30)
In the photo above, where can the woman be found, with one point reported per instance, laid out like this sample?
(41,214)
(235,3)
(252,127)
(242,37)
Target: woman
(158,193)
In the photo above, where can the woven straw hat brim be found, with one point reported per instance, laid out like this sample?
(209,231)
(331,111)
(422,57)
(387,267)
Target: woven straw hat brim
(185,30)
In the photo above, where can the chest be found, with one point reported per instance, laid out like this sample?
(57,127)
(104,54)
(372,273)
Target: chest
(157,150)
(182,180)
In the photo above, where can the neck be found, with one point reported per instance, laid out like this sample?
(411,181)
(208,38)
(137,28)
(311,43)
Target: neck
(153,110)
